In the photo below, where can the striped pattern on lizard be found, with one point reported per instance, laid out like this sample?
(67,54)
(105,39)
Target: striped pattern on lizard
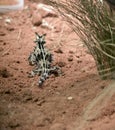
(42,60)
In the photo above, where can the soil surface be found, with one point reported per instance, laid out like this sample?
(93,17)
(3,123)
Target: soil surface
(8,2)
(76,100)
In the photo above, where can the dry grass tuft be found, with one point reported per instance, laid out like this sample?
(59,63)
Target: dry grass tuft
(93,24)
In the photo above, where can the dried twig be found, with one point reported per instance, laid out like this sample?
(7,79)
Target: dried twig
(18,38)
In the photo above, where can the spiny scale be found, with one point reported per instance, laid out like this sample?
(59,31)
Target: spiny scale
(42,60)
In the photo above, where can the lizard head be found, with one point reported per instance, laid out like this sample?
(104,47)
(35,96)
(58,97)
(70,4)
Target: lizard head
(40,39)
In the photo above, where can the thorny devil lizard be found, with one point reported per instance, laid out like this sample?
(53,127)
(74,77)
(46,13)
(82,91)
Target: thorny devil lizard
(42,60)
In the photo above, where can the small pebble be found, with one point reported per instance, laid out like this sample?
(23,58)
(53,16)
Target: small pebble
(36,19)
(61,64)
(7,20)
(70,98)
(79,61)
(10,29)
(71,52)
(70,59)
(58,51)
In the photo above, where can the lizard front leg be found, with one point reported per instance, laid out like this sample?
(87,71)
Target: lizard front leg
(34,72)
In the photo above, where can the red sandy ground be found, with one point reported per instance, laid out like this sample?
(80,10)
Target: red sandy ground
(60,104)
(8,2)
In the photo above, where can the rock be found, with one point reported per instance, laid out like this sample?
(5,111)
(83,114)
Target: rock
(79,61)
(27,95)
(10,28)
(61,64)
(42,101)
(59,50)
(36,19)
(83,70)
(69,98)
(7,91)
(70,59)
(46,10)
(71,52)
(58,126)
(2,34)
(78,56)
(14,124)
(8,20)
(46,24)
(102,87)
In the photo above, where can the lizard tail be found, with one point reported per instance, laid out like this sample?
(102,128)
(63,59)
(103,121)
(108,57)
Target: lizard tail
(42,79)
